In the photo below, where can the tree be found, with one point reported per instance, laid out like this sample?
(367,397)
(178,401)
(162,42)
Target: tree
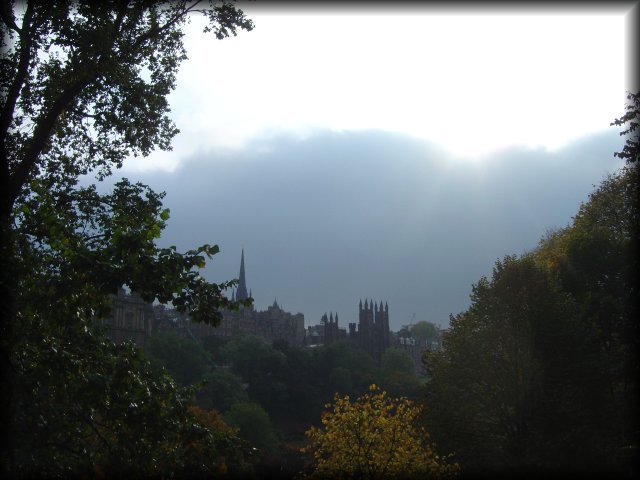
(398,375)
(631,150)
(103,413)
(252,357)
(235,460)
(86,407)
(221,390)
(83,87)
(515,386)
(596,261)
(396,360)
(338,357)
(184,358)
(542,369)
(254,425)
(373,438)
(424,332)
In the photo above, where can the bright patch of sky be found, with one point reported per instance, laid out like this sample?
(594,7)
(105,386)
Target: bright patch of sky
(472,83)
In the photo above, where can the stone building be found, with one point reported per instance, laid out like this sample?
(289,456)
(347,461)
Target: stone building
(132,319)
(416,347)
(271,324)
(372,333)
(314,336)
(331,329)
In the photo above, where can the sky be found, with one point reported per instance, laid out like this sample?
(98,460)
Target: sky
(389,153)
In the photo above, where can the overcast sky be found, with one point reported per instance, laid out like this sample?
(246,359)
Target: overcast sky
(395,153)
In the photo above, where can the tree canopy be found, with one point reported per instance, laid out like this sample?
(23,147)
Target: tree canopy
(83,86)
(541,371)
(631,151)
(374,437)
(424,331)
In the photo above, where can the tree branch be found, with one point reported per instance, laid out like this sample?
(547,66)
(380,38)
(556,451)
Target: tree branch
(8,109)
(154,32)
(26,43)
(7,17)
(41,135)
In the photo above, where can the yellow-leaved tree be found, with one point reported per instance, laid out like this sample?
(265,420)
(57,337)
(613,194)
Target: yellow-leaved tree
(374,437)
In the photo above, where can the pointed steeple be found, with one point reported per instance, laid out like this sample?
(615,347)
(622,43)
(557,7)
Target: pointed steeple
(241,293)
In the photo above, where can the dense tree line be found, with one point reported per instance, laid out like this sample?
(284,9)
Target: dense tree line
(540,373)
(280,389)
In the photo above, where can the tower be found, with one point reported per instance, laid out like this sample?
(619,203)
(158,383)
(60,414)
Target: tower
(373,328)
(331,329)
(241,291)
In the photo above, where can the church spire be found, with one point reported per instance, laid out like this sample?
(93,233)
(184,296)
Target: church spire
(241,293)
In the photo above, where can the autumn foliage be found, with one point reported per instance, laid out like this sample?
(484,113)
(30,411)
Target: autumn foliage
(374,437)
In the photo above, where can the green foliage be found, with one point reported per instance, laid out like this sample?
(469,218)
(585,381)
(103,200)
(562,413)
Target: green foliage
(85,406)
(76,246)
(596,260)
(340,380)
(397,375)
(343,355)
(213,345)
(85,86)
(93,243)
(251,356)
(221,390)
(424,331)
(396,360)
(254,425)
(541,371)
(375,437)
(631,150)
(184,358)
(305,389)
(510,373)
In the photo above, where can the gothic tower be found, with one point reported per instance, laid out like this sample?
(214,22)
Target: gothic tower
(241,292)
(373,328)
(331,328)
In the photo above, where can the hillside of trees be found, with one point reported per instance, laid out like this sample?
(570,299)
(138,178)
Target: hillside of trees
(273,393)
(540,374)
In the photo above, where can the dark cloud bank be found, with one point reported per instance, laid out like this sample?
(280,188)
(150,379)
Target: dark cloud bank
(337,218)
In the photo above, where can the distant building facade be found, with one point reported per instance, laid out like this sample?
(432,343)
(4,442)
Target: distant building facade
(314,336)
(132,319)
(332,332)
(372,331)
(271,324)
(416,347)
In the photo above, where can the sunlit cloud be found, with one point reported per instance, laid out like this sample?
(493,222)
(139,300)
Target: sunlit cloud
(472,83)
